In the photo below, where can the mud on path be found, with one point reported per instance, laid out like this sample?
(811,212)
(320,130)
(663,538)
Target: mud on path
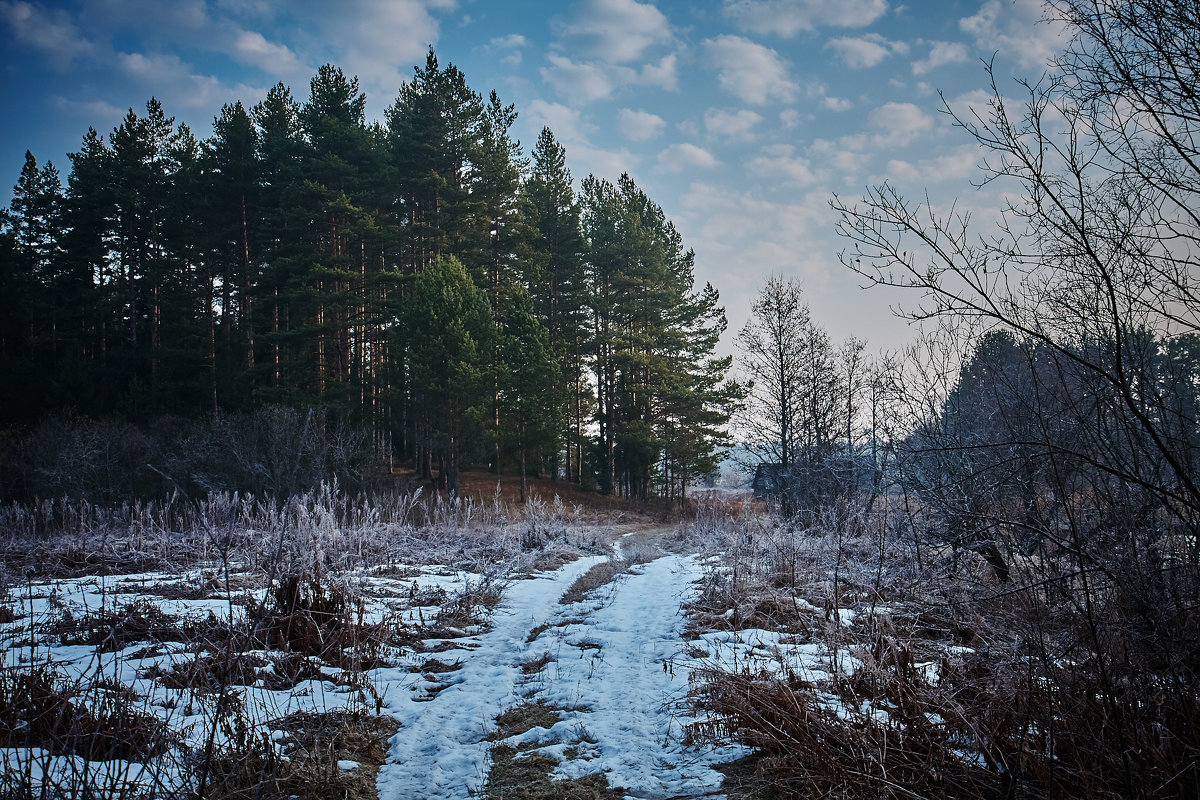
(599,683)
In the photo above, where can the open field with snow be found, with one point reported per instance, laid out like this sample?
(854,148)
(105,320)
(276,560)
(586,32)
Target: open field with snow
(349,648)
(329,651)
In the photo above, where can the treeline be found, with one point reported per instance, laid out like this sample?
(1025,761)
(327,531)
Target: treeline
(420,279)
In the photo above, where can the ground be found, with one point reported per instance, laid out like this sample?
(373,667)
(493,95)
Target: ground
(560,669)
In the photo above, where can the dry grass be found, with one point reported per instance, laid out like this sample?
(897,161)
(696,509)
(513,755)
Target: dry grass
(42,708)
(522,773)
(599,575)
(535,664)
(969,683)
(115,628)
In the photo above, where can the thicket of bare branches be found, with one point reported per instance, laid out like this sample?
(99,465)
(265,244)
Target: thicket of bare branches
(1045,484)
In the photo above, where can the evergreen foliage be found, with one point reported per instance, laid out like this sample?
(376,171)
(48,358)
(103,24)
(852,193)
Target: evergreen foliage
(419,279)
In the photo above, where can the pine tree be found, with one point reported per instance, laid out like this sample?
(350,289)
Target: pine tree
(280,146)
(433,132)
(88,238)
(652,344)
(531,401)
(447,333)
(553,275)
(234,189)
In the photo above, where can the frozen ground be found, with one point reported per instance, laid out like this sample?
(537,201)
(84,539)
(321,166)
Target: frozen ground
(611,666)
(616,676)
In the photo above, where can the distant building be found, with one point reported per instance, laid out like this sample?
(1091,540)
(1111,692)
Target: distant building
(769,480)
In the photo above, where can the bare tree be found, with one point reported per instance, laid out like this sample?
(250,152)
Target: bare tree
(799,412)
(1074,441)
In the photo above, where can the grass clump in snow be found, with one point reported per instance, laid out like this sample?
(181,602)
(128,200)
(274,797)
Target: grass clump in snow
(523,772)
(115,627)
(525,717)
(535,664)
(42,708)
(528,776)
(633,553)
(601,574)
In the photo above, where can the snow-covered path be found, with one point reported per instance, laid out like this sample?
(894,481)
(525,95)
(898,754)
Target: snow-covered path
(440,751)
(614,671)
(634,686)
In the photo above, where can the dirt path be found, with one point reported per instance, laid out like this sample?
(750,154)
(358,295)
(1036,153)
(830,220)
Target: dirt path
(610,667)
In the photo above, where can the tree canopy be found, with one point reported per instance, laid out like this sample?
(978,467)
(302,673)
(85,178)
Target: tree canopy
(420,278)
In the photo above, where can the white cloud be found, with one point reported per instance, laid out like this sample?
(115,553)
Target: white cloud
(381,36)
(781,164)
(755,73)
(837,104)
(740,238)
(1017,28)
(639,125)
(172,80)
(789,117)
(566,123)
(510,45)
(99,114)
(253,48)
(861,52)
(572,131)
(789,17)
(899,123)
(843,157)
(584,82)
(616,31)
(51,32)
(506,42)
(661,74)
(941,54)
(681,157)
(731,125)
(957,166)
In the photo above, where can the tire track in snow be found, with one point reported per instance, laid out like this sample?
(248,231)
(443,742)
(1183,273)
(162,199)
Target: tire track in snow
(439,751)
(633,687)
(628,689)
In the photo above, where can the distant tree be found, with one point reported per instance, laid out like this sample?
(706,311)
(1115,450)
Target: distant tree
(447,333)
(797,401)
(531,400)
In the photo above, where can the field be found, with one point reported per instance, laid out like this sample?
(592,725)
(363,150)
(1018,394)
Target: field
(410,647)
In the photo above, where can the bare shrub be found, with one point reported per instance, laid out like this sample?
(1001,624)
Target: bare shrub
(470,605)
(115,627)
(812,747)
(42,708)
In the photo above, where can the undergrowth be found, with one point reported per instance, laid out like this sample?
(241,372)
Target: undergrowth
(939,675)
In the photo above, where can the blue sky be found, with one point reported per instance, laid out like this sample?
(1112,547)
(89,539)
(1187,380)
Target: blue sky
(739,117)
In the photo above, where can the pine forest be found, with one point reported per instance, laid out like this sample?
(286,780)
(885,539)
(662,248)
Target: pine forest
(422,282)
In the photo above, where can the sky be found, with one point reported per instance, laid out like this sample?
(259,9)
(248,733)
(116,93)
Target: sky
(741,118)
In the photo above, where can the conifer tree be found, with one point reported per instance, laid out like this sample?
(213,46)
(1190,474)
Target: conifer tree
(553,275)
(447,331)
(531,401)
(234,178)
(277,120)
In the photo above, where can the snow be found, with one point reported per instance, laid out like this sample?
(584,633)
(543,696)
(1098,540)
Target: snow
(634,686)
(440,750)
(619,675)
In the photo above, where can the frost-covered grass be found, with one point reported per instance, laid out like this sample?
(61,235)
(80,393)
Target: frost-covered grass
(860,661)
(243,628)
